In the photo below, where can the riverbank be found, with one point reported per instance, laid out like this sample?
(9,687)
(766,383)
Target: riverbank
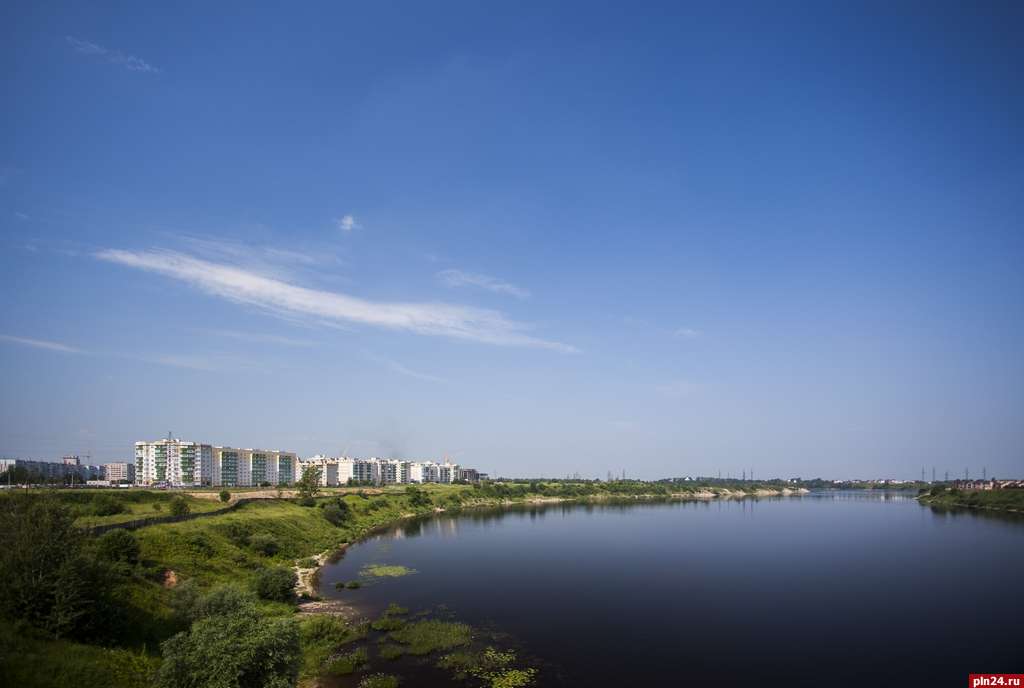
(1009,501)
(158,572)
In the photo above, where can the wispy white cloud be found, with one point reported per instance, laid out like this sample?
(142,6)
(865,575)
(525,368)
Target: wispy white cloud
(458,278)
(21,216)
(282,263)
(397,367)
(41,344)
(686,333)
(347,223)
(243,286)
(135,64)
(260,337)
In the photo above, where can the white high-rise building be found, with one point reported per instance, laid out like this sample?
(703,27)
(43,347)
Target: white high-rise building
(192,464)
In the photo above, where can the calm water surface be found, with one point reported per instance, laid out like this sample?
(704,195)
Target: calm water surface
(837,589)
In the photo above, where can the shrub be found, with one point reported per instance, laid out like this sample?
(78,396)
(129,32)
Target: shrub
(105,505)
(307,501)
(265,544)
(417,497)
(276,583)
(337,512)
(237,533)
(118,546)
(223,600)
(179,507)
(308,563)
(237,650)
(225,495)
(353,585)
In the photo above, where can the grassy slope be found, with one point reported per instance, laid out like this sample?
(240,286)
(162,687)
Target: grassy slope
(27,661)
(210,552)
(997,500)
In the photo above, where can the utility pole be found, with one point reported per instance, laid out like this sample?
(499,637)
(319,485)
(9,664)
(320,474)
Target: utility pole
(947,476)
(744,475)
(922,473)
(967,474)
(984,472)
(933,473)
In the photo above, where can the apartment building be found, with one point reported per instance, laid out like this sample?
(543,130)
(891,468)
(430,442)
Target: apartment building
(119,472)
(340,470)
(186,464)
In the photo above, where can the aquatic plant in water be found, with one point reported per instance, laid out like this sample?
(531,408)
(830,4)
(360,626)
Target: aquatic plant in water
(379,681)
(424,637)
(385,571)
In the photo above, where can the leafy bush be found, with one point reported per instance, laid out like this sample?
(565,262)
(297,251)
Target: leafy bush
(353,585)
(237,533)
(276,583)
(337,512)
(308,563)
(179,507)
(417,498)
(106,505)
(223,600)
(237,650)
(225,495)
(118,546)
(265,544)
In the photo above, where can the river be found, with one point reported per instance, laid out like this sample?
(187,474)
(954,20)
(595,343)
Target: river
(825,589)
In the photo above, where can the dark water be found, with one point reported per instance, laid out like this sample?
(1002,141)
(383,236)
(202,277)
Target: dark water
(840,589)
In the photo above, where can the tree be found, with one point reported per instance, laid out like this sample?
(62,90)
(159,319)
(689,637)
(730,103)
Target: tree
(47,577)
(309,483)
(225,495)
(236,650)
(276,583)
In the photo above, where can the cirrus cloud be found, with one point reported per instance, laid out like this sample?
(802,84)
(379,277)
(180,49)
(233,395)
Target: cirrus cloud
(243,286)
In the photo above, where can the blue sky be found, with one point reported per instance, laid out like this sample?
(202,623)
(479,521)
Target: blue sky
(538,238)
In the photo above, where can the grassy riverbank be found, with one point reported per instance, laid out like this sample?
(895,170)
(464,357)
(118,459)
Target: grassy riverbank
(993,500)
(133,591)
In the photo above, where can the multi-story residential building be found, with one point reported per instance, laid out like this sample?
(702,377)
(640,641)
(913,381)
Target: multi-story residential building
(340,470)
(67,469)
(470,475)
(179,463)
(447,472)
(366,471)
(119,472)
(173,462)
(391,471)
